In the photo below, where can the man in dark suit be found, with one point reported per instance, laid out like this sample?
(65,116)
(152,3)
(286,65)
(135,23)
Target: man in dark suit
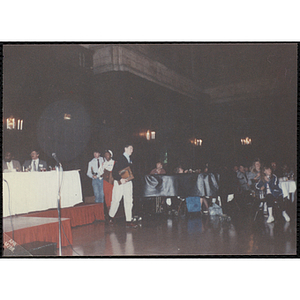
(35,164)
(122,188)
(9,164)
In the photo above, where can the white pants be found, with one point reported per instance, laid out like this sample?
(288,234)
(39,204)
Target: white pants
(119,191)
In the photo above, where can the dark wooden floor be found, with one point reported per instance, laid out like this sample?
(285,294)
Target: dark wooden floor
(192,234)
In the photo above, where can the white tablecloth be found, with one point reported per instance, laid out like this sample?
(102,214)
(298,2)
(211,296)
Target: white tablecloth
(36,191)
(287,188)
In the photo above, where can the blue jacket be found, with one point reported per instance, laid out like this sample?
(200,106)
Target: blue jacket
(273,185)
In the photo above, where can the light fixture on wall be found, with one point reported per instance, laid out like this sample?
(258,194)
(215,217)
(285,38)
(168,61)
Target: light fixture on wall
(67,117)
(246,141)
(12,123)
(150,135)
(196,142)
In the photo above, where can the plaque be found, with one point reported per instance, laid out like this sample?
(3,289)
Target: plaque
(126,174)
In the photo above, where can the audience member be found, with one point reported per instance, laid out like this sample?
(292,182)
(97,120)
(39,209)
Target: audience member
(228,185)
(268,183)
(286,172)
(275,169)
(255,171)
(242,176)
(179,170)
(203,200)
(244,190)
(158,170)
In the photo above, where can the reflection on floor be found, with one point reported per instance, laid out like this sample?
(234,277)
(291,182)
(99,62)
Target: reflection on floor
(190,234)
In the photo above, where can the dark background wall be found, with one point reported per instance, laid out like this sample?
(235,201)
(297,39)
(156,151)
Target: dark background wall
(114,108)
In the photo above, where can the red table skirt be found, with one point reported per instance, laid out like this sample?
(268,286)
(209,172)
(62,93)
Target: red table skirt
(45,233)
(80,215)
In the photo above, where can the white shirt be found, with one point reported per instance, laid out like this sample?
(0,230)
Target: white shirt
(108,165)
(9,165)
(36,164)
(127,156)
(94,164)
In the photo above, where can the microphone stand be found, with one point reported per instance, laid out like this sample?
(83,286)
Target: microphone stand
(59,170)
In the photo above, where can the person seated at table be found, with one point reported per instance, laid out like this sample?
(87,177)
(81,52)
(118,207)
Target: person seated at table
(180,170)
(275,169)
(243,179)
(268,183)
(9,164)
(35,164)
(255,171)
(158,170)
(244,186)
(286,172)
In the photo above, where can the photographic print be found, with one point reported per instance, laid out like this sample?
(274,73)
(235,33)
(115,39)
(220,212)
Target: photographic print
(154,149)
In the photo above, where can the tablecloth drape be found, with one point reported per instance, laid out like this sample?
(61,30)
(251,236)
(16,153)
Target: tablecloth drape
(184,185)
(37,191)
(288,187)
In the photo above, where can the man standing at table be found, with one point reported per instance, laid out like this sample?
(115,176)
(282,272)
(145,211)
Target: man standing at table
(122,188)
(35,164)
(95,172)
(9,164)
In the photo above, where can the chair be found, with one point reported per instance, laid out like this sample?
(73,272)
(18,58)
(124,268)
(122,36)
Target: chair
(182,203)
(259,195)
(276,207)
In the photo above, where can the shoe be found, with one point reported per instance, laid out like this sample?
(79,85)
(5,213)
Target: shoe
(270,219)
(131,225)
(205,212)
(286,216)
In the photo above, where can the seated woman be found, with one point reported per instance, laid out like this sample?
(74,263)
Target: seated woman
(255,170)
(253,178)
(269,184)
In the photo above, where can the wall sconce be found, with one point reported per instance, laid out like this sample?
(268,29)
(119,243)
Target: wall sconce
(197,142)
(11,124)
(67,117)
(246,141)
(150,135)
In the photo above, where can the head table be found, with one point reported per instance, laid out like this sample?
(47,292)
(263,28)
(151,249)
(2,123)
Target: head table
(25,192)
